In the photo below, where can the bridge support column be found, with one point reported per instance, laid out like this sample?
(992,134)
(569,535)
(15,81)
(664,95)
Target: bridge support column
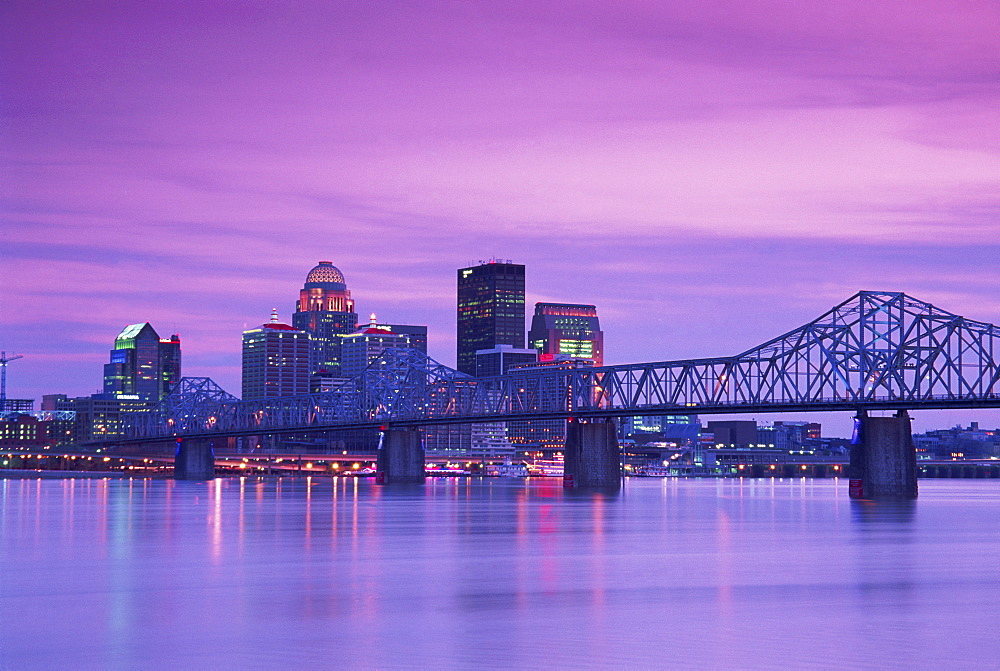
(883,458)
(592,456)
(401,457)
(194,460)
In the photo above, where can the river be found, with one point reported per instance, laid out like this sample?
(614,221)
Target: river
(465,573)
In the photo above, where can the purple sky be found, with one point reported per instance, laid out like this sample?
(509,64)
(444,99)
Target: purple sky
(709,174)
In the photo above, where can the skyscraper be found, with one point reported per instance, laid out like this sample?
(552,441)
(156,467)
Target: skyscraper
(326,312)
(490,310)
(567,330)
(417,335)
(275,361)
(498,360)
(143,366)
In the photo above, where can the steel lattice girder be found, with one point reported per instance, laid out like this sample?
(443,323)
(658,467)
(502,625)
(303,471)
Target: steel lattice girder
(876,349)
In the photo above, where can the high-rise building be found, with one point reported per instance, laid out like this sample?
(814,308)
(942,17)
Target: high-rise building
(490,310)
(322,382)
(360,349)
(498,360)
(417,335)
(275,361)
(326,312)
(569,330)
(143,366)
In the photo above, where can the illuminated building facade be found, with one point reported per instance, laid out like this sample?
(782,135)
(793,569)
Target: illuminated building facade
(143,366)
(275,361)
(490,310)
(677,429)
(325,311)
(22,430)
(361,348)
(568,330)
(77,420)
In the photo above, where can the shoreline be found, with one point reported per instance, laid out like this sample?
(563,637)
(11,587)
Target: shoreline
(19,474)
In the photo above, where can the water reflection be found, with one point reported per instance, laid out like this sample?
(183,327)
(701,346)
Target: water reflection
(459,573)
(884,511)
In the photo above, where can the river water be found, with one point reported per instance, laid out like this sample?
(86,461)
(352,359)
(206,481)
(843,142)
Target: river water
(463,573)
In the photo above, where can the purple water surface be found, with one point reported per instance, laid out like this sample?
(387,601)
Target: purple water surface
(343,573)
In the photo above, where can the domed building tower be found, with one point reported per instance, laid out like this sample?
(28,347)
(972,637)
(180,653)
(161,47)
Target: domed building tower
(325,311)
(325,291)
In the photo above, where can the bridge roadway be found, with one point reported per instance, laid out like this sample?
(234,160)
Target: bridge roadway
(692,409)
(874,351)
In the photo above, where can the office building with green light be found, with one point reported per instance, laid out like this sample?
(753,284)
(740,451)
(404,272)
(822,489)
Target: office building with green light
(143,365)
(567,330)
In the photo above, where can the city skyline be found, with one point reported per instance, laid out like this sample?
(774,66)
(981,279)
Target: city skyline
(929,419)
(709,177)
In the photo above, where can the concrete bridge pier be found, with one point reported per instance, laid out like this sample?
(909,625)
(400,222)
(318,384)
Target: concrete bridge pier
(194,460)
(592,458)
(883,458)
(400,457)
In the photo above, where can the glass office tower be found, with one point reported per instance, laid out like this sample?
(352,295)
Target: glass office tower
(142,365)
(490,310)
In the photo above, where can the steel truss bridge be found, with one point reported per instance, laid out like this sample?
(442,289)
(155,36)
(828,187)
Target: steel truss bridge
(874,351)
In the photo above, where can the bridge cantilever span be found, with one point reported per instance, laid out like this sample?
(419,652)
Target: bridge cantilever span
(874,351)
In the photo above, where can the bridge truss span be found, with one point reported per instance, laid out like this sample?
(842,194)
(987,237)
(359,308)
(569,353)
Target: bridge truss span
(873,348)
(876,350)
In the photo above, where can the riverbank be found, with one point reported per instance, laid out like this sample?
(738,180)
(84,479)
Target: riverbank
(19,474)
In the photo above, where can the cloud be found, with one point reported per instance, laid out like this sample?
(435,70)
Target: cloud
(708,174)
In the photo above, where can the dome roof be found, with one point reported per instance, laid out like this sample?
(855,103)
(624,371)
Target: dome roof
(325,272)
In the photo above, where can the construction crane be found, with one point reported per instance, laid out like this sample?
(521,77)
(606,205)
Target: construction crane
(3,377)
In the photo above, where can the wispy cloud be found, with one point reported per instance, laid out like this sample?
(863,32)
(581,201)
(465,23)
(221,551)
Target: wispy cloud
(706,173)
